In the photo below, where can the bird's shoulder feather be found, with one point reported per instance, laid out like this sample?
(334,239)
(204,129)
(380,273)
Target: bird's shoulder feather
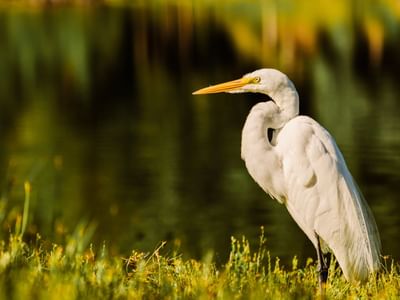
(304,146)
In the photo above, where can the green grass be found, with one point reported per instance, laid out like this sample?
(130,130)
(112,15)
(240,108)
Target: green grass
(33,268)
(42,270)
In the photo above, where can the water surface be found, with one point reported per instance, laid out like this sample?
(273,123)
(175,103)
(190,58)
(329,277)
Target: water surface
(96,110)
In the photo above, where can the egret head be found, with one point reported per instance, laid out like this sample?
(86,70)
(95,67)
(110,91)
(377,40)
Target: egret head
(265,81)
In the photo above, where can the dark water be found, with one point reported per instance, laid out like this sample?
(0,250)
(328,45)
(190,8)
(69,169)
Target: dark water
(96,111)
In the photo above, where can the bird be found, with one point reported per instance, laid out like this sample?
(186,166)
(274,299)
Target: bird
(301,166)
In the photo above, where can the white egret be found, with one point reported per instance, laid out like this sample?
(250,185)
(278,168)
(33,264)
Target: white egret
(302,167)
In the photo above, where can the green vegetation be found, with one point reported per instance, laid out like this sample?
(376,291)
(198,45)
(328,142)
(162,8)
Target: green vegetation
(74,269)
(40,270)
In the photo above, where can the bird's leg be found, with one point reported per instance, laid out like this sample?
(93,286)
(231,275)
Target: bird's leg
(322,266)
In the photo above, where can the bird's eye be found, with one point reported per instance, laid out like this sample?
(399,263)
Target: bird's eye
(256,79)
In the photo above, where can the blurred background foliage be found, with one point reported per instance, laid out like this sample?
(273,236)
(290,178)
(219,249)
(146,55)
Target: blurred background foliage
(96,111)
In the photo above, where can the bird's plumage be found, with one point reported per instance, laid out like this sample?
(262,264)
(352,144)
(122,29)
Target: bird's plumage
(321,196)
(324,197)
(303,168)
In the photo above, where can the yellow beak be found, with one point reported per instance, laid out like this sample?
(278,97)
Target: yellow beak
(224,87)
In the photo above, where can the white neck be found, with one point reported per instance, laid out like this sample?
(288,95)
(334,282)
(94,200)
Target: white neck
(257,151)
(287,99)
(254,133)
(271,114)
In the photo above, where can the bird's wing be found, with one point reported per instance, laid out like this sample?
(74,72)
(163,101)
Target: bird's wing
(323,198)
